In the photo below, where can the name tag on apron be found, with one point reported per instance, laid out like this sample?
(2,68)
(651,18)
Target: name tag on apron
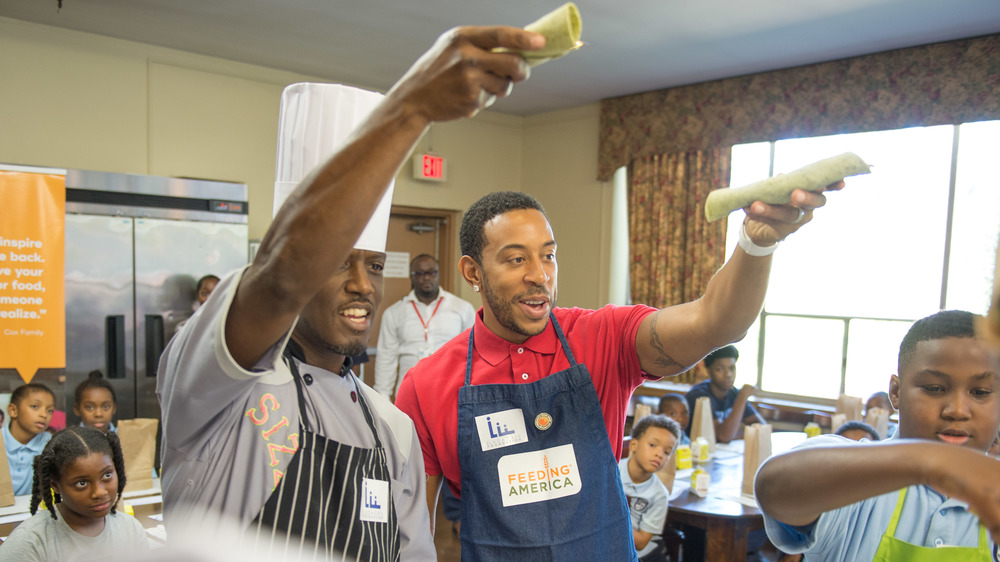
(374,501)
(539,476)
(501,429)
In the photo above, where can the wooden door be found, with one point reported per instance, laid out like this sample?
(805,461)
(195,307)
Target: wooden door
(414,231)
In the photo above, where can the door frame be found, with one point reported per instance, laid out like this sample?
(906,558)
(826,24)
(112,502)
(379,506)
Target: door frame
(447,254)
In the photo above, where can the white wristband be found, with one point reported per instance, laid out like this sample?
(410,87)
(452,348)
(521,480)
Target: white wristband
(753,249)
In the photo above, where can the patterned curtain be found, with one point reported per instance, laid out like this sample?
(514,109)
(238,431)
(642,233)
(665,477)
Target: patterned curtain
(944,83)
(674,250)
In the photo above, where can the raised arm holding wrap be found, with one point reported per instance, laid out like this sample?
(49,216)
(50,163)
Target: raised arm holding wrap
(308,242)
(778,190)
(561,28)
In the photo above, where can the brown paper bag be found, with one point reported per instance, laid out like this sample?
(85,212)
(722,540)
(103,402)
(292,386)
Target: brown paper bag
(756,450)
(6,486)
(641,411)
(879,419)
(850,406)
(138,439)
(836,421)
(669,471)
(703,422)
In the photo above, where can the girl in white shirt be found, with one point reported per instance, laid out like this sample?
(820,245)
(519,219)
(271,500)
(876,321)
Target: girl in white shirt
(79,477)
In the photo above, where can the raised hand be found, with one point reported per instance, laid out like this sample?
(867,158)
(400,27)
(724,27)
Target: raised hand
(767,224)
(461,74)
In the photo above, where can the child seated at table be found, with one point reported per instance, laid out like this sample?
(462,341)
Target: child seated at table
(30,411)
(902,497)
(675,407)
(857,430)
(79,477)
(881,400)
(653,440)
(878,400)
(95,402)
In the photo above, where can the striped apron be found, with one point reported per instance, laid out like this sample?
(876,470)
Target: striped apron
(334,501)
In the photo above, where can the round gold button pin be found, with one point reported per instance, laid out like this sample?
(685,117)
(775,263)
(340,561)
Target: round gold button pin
(543,421)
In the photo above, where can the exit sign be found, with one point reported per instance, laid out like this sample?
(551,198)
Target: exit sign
(429,167)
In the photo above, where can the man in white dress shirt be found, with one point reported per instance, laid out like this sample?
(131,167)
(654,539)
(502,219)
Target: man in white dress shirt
(418,324)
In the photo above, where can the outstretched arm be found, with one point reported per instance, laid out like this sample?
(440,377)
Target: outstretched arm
(673,339)
(315,230)
(799,486)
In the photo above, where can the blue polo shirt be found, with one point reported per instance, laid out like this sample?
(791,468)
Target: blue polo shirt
(853,532)
(20,458)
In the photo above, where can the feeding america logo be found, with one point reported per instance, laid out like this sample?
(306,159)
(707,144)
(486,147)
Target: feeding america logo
(538,476)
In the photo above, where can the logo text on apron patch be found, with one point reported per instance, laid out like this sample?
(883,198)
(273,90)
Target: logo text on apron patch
(501,429)
(374,500)
(538,476)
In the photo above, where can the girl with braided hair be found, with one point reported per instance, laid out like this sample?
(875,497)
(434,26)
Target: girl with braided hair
(79,477)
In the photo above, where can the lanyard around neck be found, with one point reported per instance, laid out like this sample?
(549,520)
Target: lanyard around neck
(428,322)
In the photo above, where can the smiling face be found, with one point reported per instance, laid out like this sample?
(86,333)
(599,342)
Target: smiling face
(31,415)
(652,449)
(96,408)
(517,274)
(88,487)
(338,319)
(950,392)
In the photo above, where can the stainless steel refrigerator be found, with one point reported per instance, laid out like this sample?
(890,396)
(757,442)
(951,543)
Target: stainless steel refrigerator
(135,246)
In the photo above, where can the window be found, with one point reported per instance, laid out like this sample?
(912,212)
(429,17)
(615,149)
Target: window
(917,235)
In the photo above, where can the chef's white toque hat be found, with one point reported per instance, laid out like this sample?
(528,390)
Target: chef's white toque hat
(315,121)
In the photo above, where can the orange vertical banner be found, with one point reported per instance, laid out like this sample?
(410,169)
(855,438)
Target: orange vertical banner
(32,272)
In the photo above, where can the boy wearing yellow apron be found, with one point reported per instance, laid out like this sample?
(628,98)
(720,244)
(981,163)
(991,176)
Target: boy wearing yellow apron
(916,495)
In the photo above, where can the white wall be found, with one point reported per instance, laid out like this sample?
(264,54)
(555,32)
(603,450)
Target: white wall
(560,155)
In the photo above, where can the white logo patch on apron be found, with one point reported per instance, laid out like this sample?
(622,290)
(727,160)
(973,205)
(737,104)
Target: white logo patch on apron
(539,476)
(374,501)
(501,429)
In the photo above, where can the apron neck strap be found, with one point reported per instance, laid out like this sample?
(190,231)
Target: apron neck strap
(894,520)
(562,340)
(468,358)
(294,351)
(559,333)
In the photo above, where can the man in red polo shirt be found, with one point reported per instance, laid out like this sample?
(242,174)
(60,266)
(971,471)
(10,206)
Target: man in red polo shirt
(524,414)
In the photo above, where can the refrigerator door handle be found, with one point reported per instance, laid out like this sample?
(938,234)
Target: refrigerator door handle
(114,346)
(154,343)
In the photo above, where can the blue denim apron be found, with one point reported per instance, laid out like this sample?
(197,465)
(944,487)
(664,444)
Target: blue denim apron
(539,479)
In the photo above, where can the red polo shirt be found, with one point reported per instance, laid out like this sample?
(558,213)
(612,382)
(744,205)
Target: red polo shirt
(603,340)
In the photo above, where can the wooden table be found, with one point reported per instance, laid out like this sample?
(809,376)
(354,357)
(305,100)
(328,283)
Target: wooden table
(726,521)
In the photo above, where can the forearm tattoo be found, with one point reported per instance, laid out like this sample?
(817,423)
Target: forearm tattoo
(664,359)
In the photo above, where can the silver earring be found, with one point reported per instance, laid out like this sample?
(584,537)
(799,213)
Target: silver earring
(475,288)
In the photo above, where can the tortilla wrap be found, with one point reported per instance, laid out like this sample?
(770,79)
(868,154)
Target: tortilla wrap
(778,190)
(561,28)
